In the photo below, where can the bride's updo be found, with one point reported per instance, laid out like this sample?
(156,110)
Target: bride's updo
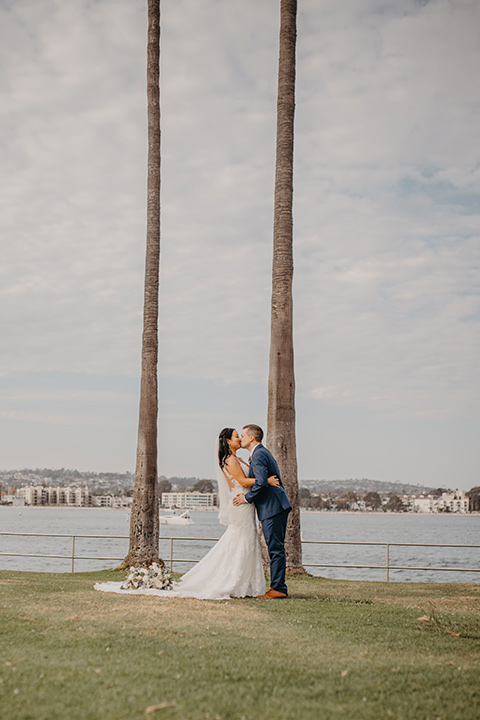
(223,446)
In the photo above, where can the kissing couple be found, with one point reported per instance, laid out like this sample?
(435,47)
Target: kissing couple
(233,567)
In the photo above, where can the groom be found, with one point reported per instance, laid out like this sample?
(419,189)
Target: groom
(272,506)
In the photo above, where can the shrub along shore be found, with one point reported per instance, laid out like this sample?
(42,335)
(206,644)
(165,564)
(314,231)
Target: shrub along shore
(333,649)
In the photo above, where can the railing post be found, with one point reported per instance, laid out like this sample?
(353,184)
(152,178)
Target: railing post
(171,554)
(73,553)
(387,560)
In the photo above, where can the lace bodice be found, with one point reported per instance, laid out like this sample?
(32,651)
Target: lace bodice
(236,485)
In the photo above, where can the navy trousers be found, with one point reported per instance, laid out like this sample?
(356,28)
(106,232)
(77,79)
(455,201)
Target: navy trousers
(274,533)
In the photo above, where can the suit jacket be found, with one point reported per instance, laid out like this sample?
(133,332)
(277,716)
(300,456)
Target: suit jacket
(268,500)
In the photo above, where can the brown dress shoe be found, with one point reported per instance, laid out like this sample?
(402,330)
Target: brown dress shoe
(273,595)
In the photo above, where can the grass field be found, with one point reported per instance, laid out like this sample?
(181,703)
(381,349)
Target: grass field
(334,649)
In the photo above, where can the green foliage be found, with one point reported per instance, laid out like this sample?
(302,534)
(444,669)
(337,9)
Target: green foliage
(304,493)
(317,503)
(335,650)
(373,500)
(474,497)
(394,504)
(203,486)
(164,486)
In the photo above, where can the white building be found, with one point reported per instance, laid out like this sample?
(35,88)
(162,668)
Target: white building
(14,500)
(103,500)
(73,497)
(189,500)
(425,504)
(83,497)
(34,495)
(112,501)
(455,502)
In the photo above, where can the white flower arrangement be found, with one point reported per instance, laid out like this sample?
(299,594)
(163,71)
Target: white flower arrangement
(154,576)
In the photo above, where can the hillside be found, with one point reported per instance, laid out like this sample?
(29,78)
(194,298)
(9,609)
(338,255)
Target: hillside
(382,487)
(123,482)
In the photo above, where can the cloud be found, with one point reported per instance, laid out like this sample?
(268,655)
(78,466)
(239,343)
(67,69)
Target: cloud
(387,188)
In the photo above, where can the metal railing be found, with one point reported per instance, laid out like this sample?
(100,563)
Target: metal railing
(387,545)
(72,555)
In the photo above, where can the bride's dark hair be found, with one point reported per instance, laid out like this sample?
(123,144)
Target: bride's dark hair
(223,447)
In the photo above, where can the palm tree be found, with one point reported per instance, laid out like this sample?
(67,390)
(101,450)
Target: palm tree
(281,381)
(144,524)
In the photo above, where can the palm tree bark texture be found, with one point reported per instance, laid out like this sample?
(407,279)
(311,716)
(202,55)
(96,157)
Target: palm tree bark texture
(281,438)
(144,522)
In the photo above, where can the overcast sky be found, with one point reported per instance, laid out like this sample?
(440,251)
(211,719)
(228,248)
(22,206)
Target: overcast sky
(386,223)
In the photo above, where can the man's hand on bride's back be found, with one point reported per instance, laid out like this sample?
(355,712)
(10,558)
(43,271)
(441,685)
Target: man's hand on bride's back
(274,481)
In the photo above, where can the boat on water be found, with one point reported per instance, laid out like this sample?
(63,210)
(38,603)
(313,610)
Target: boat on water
(174,519)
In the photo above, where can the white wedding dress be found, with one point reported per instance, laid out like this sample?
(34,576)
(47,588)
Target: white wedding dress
(231,569)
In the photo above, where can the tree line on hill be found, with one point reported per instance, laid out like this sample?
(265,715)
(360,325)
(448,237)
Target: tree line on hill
(320,495)
(348,500)
(203,486)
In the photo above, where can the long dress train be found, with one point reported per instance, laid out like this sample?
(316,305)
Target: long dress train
(232,568)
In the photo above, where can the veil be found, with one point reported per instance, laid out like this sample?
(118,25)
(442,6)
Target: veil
(225,505)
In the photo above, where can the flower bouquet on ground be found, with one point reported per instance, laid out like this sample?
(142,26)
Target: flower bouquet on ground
(153,576)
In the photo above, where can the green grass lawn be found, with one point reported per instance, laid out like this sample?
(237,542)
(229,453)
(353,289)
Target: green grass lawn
(334,649)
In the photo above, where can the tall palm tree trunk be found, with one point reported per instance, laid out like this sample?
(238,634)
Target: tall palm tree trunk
(144,523)
(281,381)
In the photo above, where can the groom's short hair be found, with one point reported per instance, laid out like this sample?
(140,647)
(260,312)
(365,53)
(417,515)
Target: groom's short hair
(254,430)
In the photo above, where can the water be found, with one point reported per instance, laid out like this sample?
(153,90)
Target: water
(364,527)
(409,528)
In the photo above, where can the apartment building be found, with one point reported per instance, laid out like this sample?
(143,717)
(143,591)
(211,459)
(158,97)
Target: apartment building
(189,500)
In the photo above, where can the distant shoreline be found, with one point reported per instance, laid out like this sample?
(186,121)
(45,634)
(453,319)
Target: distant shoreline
(474,513)
(389,512)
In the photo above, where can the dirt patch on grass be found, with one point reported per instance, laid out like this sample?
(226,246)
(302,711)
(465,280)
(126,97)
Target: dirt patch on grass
(178,611)
(73,609)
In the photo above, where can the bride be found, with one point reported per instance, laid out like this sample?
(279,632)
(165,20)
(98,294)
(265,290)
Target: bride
(233,567)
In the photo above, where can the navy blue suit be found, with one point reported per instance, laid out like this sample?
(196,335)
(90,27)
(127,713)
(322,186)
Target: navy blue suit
(273,506)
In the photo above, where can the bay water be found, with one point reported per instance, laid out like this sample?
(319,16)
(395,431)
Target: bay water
(337,526)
